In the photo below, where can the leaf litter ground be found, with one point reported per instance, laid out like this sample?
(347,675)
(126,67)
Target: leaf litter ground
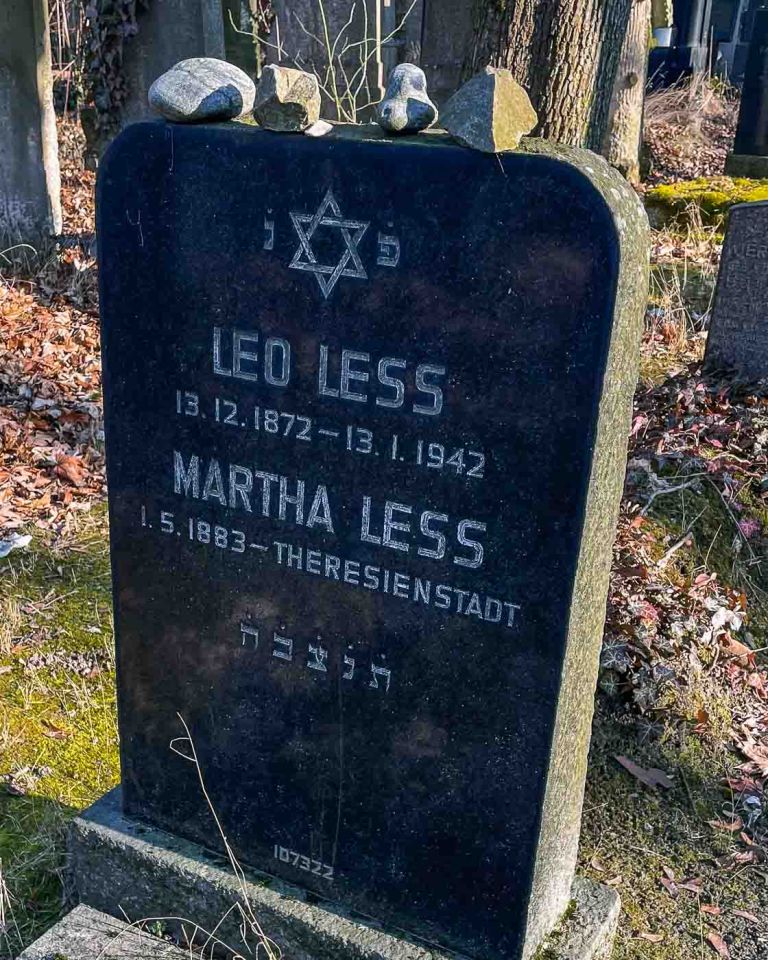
(675,810)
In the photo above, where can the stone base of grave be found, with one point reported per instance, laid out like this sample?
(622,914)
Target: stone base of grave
(88,934)
(746,165)
(127,868)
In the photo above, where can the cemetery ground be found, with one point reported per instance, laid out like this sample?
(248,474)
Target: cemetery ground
(675,813)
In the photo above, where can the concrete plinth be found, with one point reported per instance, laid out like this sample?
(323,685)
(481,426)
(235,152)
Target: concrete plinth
(123,867)
(746,165)
(87,934)
(30,205)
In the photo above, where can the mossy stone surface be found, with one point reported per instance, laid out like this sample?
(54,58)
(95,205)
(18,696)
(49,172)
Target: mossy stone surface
(711,197)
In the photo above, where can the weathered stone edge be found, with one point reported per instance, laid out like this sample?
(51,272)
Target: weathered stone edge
(564,795)
(589,930)
(88,934)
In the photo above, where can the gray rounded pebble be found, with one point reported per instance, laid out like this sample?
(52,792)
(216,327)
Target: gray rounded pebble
(202,88)
(406,107)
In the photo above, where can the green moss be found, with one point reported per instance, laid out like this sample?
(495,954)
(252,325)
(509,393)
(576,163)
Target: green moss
(710,196)
(548,950)
(58,731)
(630,834)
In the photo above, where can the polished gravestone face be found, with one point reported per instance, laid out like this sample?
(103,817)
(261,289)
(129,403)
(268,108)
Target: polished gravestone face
(352,401)
(738,335)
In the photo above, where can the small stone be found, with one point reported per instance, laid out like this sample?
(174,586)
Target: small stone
(491,112)
(287,100)
(202,88)
(406,108)
(318,129)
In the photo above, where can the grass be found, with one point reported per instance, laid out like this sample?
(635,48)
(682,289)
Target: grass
(688,103)
(682,286)
(58,732)
(59,751)
(715,543)
(633,837)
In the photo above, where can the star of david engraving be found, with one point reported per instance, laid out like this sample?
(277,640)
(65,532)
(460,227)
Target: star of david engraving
(352,231)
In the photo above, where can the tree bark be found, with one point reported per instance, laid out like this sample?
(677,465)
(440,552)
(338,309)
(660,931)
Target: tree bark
(564,52)
(621,147)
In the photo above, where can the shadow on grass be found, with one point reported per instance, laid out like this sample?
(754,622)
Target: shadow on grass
(633,838)
(32,855)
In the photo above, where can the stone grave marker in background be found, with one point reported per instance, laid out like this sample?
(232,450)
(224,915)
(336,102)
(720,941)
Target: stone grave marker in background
(168,31)
(738,332)
(30,205)
(750,149)
(366,409)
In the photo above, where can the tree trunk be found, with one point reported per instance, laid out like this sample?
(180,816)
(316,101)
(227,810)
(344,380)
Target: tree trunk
(621,147)
(564,52)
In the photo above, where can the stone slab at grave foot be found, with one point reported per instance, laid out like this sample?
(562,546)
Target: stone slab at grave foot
(118,860)
(737,343)
(88,934)
(366,408)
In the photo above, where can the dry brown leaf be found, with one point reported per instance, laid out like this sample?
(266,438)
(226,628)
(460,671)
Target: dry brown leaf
(651,937)
(53,732)
(733,827)
(746,915)
(693,886)
(671,887)
(652,777)
(711,909)
(738,651)
(718,944)
(70,469)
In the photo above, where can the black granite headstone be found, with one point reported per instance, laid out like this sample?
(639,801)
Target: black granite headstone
(738,332)
(750,148)
(752,129)
(355,393)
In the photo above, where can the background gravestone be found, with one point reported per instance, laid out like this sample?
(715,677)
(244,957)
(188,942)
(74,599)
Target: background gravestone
(168,31)
(750,148)
(30,207)
(366,409)
(738,333)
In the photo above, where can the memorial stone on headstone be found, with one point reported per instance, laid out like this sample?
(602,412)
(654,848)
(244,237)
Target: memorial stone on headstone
(738,332)
(30,206)
(366,408)
(750,147)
